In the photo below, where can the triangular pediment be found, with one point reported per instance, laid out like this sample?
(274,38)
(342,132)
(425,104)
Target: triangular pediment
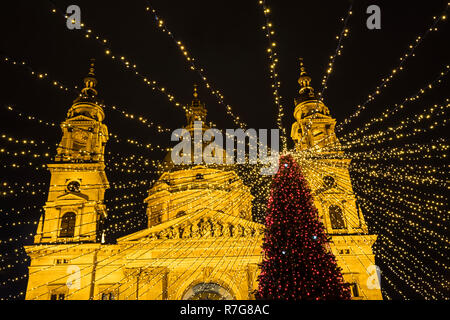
(72,196)
(198,225)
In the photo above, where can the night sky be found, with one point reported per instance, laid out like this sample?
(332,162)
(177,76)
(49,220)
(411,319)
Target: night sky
(226,39)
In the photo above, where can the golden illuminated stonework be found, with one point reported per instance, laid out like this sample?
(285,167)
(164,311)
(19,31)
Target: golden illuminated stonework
(326,170)
(201,241)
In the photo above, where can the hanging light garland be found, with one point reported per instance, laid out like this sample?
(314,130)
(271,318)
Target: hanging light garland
(343,34)
(273,62)
(397,70)
(162,26)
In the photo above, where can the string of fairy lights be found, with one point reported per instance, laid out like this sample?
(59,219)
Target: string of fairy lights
(436,276)
(387,80)
(142,120)
(398,69)
(61,86)
(162,26)
(343,34)
(131,141)
(140,244)
(389,184)
(114,137)
(273,62)
(190,246)
(389,111)
(124,61)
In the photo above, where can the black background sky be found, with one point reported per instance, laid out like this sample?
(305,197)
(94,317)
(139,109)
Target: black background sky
(226,39)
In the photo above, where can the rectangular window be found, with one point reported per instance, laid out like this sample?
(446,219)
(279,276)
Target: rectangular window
(108,296)
(336,217)
(354,289)
(61,261)
(57,296)
(157,211)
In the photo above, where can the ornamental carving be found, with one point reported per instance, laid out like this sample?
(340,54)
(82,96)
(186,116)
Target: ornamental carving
(206,228)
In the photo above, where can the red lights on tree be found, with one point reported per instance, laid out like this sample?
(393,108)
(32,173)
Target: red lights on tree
(297,264)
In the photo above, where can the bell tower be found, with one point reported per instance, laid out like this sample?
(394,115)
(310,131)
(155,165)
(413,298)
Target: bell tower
(326,169)
(314,126)
(78,182)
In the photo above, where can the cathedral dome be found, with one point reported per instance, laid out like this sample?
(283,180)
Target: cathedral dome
(195,112)
(310,107)
(87,109)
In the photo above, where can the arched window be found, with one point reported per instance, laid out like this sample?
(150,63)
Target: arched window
(67,225)
(336,217)
(207,291)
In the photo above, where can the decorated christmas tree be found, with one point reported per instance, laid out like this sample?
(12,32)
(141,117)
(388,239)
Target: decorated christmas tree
(297,264)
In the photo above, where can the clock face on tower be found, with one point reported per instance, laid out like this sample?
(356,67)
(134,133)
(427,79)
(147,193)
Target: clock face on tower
(73,186)
(329,182)
(80,136)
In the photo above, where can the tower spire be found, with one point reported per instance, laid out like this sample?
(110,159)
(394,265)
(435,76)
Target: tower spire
(84,140)
(196,111)
(90,82)
(74,209)
(306,90)
(304,80)
(313,121)
(195,92)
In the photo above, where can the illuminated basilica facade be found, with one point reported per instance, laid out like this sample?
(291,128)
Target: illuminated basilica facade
(201,241)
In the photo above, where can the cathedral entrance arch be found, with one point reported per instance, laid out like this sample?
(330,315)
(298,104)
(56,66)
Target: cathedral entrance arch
(207,291)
